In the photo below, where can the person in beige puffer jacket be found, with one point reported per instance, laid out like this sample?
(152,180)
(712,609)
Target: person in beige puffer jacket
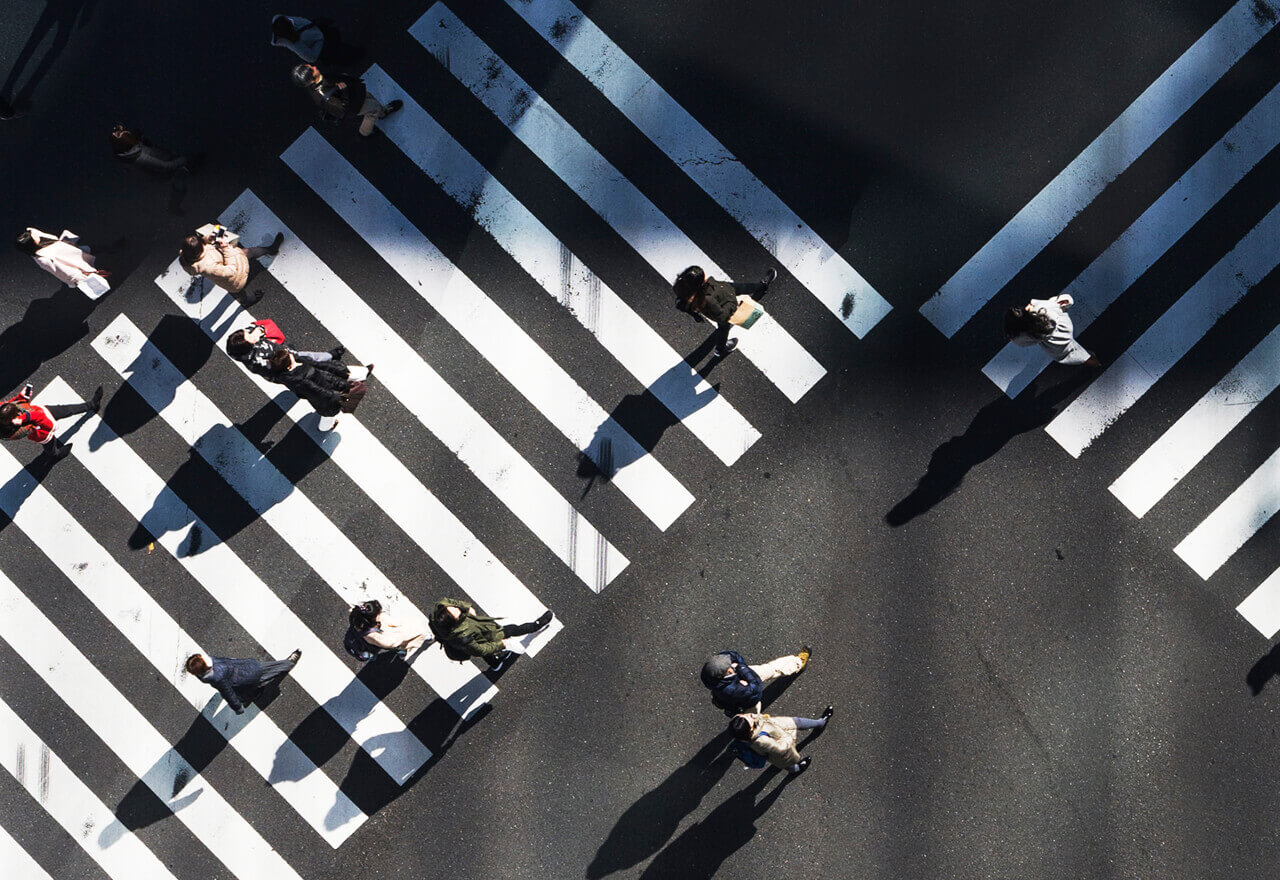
(225,263)
(774,736)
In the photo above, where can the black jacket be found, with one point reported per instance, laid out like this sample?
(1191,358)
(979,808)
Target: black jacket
(718,301)
(321,385)
(339,96)
(236,680)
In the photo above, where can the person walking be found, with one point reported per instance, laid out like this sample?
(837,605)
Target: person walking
(726,303)
(343,95)
(239,681)
(21,419)
(211,251)
(254,345)
(133,149)
(1044,322)
(737,687)
(329,386)
(63,258)
(774,738)
(387,631)
(301,36)
(465,633)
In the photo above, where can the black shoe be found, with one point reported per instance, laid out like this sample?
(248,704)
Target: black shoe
(726,349)
(275,244)
(545,620)
(61,452)
(96,403)
(500,662)
(827,712)
(337,352)
(295,657)
(392,107)
(769,277)
(369,371)
(253,298)
(803,766)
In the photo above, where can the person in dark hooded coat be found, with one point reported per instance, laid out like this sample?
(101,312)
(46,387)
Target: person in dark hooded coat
(737,687)
(320,384)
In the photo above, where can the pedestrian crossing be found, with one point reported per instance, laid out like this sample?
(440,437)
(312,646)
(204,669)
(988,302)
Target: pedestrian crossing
(1175,336)
(115,461)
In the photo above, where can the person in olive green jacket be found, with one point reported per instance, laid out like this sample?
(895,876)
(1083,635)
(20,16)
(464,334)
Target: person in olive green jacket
(465,633)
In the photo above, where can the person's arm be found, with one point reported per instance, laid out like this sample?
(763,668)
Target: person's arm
(229,694)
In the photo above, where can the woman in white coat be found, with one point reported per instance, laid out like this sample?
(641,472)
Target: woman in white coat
(62,258)
(1044,322)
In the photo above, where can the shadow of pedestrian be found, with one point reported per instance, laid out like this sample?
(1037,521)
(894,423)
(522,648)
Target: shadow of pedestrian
(701,850)
(995,425)
(1264,670)
(59,16)
(649,823)
(49,327)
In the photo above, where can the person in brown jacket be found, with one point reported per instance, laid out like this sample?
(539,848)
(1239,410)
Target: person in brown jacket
(774,737)
(225,263)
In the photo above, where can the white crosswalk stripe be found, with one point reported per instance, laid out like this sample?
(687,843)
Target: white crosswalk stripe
(281,505)
(835,283)
(157,636)
(1119,146)
(19,865)
(62,793)
(246,598)
(1234,521)
(1262,607)
(218,826)
(621,332)
(366,460)
(598,183)
(492,332)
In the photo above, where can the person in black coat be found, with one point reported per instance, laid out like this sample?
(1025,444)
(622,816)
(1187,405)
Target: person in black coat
(737,687)
(254,345)
(342,95)
(710,299)
(323,385)
(239,681)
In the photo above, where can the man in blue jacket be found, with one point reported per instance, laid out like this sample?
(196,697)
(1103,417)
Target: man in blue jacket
(239,681)
(736,687)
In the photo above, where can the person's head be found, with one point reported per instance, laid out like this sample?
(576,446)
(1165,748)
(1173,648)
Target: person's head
(306,76)
(718,666)
(280,361)
(198,664)
(446,614)
(283,28)
(241,342)
(10,419)
(690,282)
(1029,320)
(122,139)
(192,248)
(364,617)
(740,726)
(28,242)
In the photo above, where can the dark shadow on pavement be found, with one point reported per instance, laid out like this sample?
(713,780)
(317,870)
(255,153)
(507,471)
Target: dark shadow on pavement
(59,16)
(699,852)
(49,327)
(1264,670)
(648,824)
(995,425)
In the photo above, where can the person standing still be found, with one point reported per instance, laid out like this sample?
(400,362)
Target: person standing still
(774,737)
(342,95)
(713,300)
(21,419)
(1044,322)
(239,681)
(227,264)
(737,687)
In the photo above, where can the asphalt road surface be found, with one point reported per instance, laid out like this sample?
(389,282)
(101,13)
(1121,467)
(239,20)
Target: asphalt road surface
(1041,599)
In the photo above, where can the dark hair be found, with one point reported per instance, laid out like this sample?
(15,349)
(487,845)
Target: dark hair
(364,617)
(740,727)
(279,361)
(440,614)
(1034,323)
(123,140)
(282,27)
(9,412)
(197,665)
(26,242)
(237,345)
(306,75)
(192,248)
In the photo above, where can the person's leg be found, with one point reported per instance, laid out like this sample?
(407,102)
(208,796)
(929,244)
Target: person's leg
(318,357)
(809,723)
(721,338)
(274,671)
(521,629)
(788,665)
(62,410)
(254,252)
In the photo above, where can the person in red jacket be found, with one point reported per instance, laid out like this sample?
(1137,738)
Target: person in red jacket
(20,418)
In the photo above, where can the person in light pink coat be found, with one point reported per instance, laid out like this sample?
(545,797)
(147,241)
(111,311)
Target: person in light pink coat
(60,256)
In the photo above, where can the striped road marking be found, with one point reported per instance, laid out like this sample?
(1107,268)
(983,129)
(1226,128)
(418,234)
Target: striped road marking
(1118,147)
(622,333)
(142,748)
(835,283)
(1234,521)
(1262,607)
(1169,338)
(249,601)
(658,241)
(18,864)
(1201,428)
(278,502)
(490,330)
(369,463)
(1151,235)
(63,795)
(157,636)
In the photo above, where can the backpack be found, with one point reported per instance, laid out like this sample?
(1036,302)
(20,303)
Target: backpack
(357,647)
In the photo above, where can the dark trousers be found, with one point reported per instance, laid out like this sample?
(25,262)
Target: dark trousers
(753,289)
(270,674)
(54,446)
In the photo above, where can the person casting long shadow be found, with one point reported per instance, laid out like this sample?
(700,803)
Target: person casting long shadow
(703,847)
(995,425)
(60,15)
(649,823)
